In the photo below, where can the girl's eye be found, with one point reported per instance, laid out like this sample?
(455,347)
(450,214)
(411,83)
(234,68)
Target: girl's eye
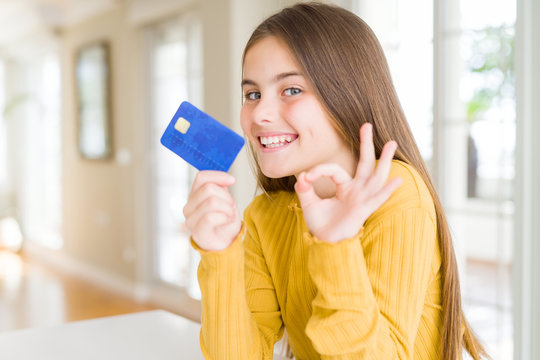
(252,95)
(292,91)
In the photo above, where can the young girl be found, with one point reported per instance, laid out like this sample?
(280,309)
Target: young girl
(350,254)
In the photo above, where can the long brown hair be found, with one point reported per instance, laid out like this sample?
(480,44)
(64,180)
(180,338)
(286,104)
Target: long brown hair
(343,61)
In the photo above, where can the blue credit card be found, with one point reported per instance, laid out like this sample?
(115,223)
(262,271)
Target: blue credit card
(201,140)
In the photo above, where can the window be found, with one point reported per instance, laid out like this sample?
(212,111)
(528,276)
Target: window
(176,75)
(477,122)
(406,35)
(465,130)
(40,202)
(487,89)
(3,139)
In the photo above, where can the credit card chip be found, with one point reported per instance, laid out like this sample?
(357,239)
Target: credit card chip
(182,125)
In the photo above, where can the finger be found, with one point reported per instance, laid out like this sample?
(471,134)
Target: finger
(226,232)
(210,205)
(203,193)
(208,223)
(205,221)
(334,171)
(304,190)
(384,165)
(233,226)
(207,183)
(366,164)
(211,176)
(384,194)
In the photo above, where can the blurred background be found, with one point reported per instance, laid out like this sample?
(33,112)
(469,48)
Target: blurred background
(86,189)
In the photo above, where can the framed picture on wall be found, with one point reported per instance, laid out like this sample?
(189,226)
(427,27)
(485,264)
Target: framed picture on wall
(92,76)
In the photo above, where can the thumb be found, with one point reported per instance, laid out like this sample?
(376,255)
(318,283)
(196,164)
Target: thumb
(304,190)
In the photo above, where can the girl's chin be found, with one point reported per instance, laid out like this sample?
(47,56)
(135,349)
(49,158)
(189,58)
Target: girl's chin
(275,173)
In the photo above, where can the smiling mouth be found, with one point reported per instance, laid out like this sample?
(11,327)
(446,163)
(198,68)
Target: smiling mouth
(271,142)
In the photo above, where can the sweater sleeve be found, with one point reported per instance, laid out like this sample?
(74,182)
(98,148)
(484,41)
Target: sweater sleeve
(240,313)
(371,288)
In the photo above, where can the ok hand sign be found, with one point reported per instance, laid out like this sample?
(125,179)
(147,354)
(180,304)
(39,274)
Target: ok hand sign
(341,216)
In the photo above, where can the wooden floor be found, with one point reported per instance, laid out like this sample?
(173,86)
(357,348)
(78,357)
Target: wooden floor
(33,295)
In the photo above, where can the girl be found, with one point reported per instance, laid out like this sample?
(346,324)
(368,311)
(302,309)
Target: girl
(350,254)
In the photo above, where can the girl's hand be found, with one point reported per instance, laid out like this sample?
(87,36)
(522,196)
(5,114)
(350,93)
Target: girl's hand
(211,213)
(343,215)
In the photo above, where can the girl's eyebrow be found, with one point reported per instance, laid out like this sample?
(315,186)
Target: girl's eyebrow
(276,78)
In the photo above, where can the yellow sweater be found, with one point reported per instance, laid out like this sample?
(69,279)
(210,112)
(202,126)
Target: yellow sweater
(374,296)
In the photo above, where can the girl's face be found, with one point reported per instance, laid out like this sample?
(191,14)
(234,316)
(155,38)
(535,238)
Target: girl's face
(283,119)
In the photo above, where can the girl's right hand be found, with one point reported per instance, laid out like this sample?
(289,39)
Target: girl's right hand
(211,212)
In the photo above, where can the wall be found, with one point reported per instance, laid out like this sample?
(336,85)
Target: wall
(98,196)
(106,204)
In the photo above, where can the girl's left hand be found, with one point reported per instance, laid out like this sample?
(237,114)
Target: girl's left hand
(343,215)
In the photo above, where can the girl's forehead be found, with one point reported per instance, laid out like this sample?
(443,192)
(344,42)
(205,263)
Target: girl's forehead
(269,46)
(269,54)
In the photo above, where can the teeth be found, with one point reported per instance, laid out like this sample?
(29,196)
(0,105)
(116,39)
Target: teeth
(275,141)
(275,145)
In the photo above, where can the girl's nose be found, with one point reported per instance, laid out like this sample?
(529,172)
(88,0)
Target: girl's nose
(265,110)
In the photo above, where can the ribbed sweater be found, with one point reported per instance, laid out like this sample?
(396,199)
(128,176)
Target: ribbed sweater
(374,296)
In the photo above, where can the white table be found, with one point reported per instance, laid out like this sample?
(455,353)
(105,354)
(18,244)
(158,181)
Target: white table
(140,336)
(147,335)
